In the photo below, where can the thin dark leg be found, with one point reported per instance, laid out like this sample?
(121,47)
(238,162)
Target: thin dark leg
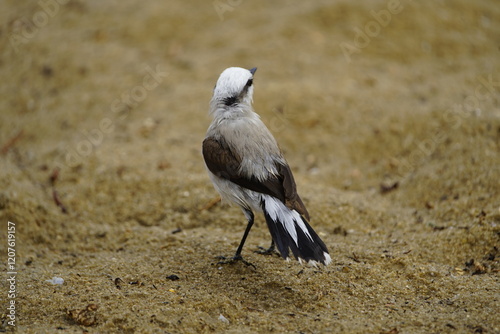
(237,256)
(269,251)
(249,215)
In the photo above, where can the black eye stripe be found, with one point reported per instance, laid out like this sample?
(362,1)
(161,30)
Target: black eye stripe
(249,82)
(229,101)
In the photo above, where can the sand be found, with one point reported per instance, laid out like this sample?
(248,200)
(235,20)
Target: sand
(388,113)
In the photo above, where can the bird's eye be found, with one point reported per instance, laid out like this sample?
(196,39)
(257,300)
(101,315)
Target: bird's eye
(229,101)
(249,82)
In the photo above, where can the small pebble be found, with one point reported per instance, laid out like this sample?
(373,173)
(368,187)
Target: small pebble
(223,319)
(55,280)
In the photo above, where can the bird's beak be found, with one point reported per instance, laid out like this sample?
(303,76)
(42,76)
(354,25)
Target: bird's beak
(252,70)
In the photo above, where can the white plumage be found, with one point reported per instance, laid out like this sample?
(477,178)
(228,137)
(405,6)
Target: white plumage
(247,168)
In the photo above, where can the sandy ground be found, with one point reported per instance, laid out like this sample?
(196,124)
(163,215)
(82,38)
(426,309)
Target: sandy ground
(387,111)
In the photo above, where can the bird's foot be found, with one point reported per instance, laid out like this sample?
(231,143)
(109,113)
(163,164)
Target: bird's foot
(234,259)
(266,251)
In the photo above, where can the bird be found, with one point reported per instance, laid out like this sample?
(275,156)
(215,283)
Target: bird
(247,168)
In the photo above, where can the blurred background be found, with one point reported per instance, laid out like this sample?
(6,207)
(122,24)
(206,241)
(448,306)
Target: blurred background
(387,111)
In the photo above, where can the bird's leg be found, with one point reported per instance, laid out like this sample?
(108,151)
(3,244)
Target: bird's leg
(267,251)
(237,256)
(249,215)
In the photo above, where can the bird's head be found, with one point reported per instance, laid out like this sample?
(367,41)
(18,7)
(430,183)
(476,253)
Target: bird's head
(234,87)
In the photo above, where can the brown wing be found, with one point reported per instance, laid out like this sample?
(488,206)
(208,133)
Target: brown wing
(292,199)
(222,162)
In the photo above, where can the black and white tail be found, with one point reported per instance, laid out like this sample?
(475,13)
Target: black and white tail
(290,231)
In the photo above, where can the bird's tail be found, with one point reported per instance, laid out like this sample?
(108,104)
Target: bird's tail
(290,231)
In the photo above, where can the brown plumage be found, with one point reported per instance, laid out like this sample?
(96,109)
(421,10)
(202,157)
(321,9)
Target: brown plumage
(247,167)
(222,162)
